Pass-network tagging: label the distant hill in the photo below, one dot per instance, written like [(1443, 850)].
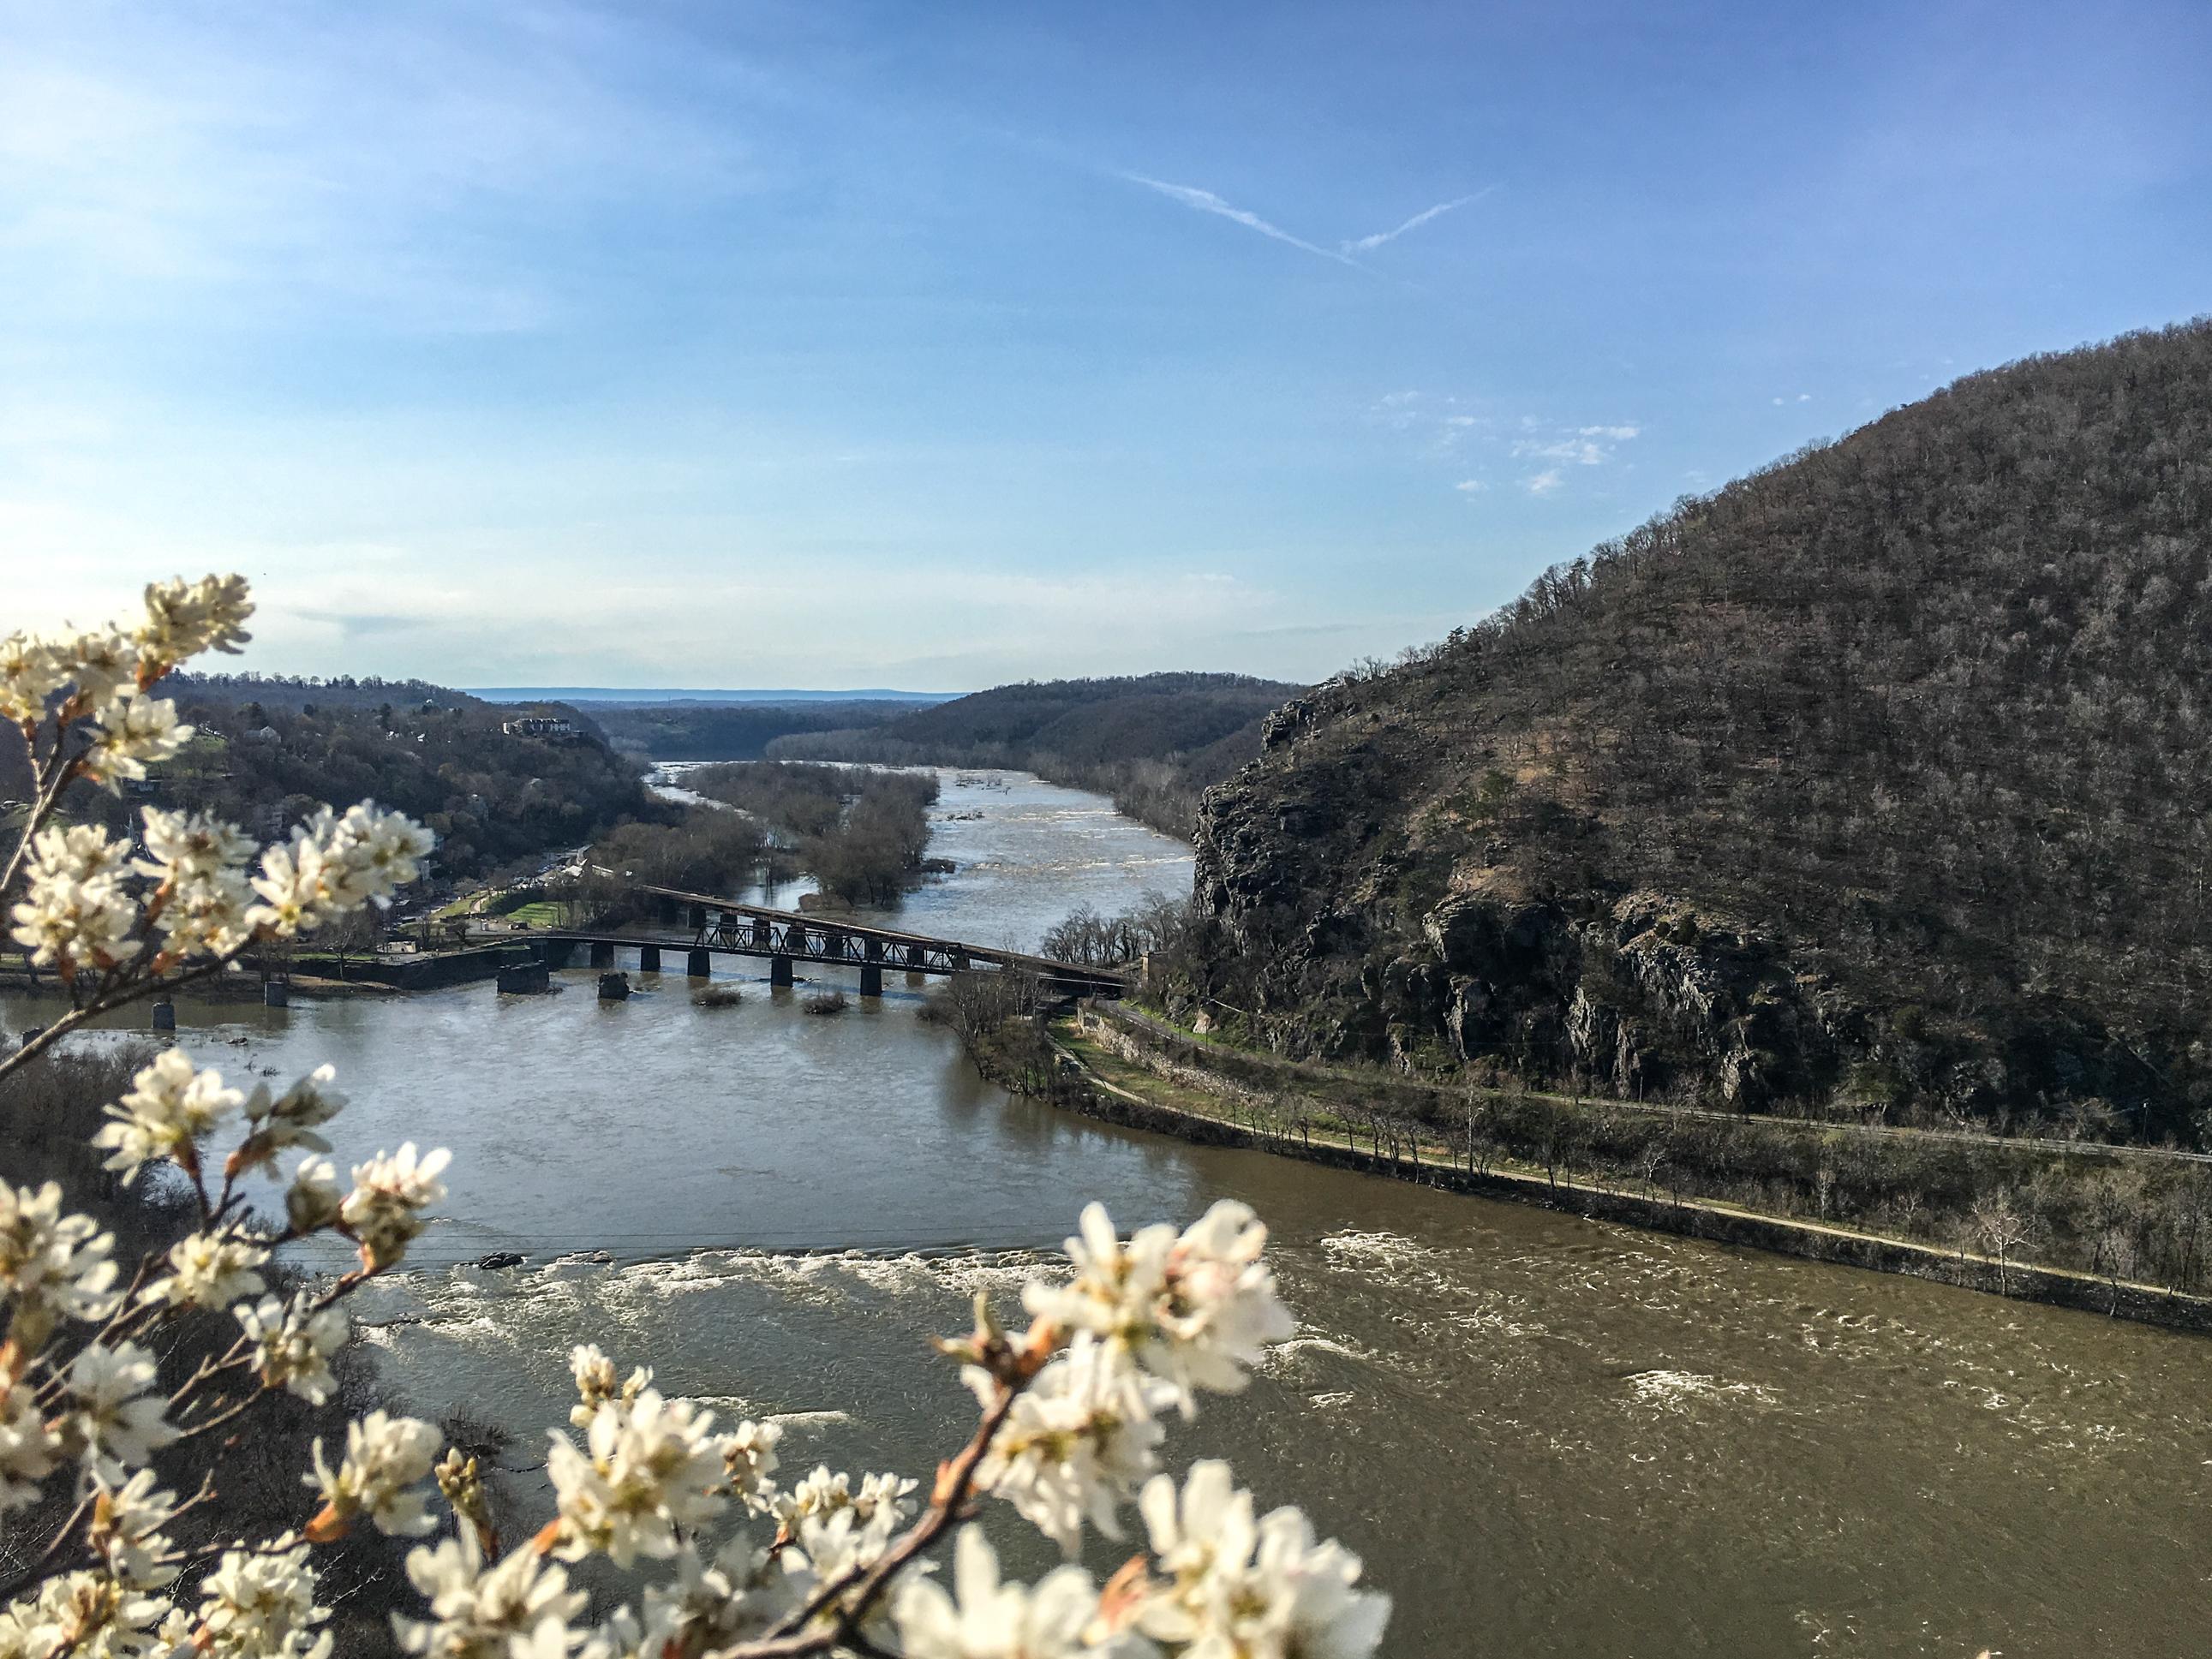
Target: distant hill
[(267, 750), (639, 697), (342, 691), (1153, 742), (732, 731), (1877, 780)]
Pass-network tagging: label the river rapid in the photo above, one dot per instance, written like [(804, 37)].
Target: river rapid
[(1544, 1436)]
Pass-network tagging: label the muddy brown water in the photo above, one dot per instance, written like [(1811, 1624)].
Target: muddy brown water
[(1544, 1436)]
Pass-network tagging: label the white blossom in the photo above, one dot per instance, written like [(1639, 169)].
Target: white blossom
[(277, 1123), (209, 1270), (383, 1213), (81, 852), (839, 1542), (823, 1494), (1077, 1442), (200, 860), (130, 733), (314, 1199), (207, 915), (290, 886), (125, 1528), (102, 664), (261, 1604), (113, 1423), (85, 1615), (293, 1342), (983, 1617), (741, 1592), (333, 865), (74, 909), (185, 618), (171, 1106), (597, 1380), (29, 1448), (31, 671), (386, 1460), (749, 1458), (648, 1466), (55, 1265), (1261, 1589), (1195, 1308), (189, 843), (818, 1494), (383, 851), (481, 1612)]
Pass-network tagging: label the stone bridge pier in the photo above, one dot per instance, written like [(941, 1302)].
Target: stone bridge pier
[(648, 959)]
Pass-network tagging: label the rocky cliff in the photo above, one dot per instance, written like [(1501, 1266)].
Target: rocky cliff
[(1876, 780)]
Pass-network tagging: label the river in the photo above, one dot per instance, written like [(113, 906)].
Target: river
[(1546, 1437)]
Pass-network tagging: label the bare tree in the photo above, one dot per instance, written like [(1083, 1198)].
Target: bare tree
[(1999, 1228)]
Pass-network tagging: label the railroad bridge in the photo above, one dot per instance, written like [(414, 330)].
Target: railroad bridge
[(711, 926)]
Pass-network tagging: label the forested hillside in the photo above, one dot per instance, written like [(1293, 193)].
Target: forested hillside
[(1153, 742), (730, 731), (268, 750), (1876, 781)]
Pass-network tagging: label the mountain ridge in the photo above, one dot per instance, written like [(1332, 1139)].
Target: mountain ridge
[(1874, 781), (1152, 742)]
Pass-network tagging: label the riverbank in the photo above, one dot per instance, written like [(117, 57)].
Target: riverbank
[(326, 976), (1101, 1063)]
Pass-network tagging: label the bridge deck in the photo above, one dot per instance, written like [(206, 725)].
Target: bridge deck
[(725, 925)]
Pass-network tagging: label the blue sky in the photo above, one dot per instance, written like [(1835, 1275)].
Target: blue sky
[(933, 346)]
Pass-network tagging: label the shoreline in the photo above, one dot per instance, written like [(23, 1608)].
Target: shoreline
[(1076, 1085)]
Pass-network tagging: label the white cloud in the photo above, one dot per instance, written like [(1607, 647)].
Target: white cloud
[(1368, 244), (1580, 445), (1580, 452), (1448, 434)]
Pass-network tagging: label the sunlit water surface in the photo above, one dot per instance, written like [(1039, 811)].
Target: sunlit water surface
[(1546, 1437)]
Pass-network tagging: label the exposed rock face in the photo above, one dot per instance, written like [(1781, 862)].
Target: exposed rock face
[(1349, 938), (1630, 994)]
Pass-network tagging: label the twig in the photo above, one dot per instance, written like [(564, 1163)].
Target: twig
[(858, 1589)]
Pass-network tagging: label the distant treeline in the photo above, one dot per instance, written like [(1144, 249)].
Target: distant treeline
[(730, 731), (862, 833), (1154, 742), (705, 851)]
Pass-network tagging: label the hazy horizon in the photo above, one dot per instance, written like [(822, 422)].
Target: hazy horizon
[(551, 343)]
